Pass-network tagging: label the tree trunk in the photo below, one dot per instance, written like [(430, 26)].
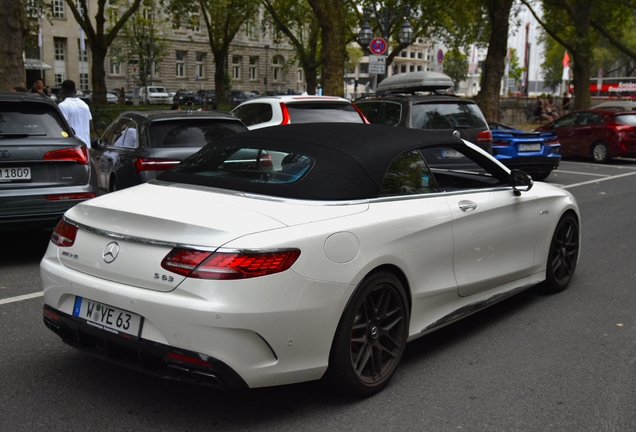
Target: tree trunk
[(331, 16), (13, 21), (581, 67), (311, 78), (220, 69), (98, 74), (494, 66)]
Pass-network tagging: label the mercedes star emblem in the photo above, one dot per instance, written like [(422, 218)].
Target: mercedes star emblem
[(110, 252)]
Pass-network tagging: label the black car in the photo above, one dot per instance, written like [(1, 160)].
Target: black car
[(184, 97), (206, 98), (44, 168), (414, 100), (137, 146)]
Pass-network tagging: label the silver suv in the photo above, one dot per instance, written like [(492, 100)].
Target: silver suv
[(414, 100)]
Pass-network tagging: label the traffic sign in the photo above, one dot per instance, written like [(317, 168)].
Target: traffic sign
[(378, 46), (440, 56), (377, 64)]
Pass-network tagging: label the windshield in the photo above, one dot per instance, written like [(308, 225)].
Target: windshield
[(157, 90), (191, 133), (253, 165), (449, 115)]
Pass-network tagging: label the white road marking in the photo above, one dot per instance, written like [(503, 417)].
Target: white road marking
[(581, 173), (599, 180), (22, 297)]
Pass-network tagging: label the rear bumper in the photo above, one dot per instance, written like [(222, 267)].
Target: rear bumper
[(146, 356)]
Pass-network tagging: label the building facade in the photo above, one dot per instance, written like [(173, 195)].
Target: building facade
[(256, 62)]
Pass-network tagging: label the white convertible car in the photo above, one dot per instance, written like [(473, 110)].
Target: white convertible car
[(302, 252)]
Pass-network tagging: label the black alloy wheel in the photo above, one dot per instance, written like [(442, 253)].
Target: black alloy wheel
[(564, 253), (371, 336)]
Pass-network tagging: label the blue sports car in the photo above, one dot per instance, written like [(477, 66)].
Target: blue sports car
[(537, 153)]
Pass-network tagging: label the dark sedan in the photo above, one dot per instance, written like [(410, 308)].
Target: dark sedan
[(137, 146), (44, 168), (183, 97), (597, 134)]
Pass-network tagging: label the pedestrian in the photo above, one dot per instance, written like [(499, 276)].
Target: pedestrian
[(565, 104), (38, 87), (76, 112)]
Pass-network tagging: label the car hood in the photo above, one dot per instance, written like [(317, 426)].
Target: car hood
[(124, 236)]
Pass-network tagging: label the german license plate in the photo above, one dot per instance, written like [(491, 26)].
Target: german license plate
[(12, 174), (107, 318), (529, 147)]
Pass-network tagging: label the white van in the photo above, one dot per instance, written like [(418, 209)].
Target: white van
[(154, 95)]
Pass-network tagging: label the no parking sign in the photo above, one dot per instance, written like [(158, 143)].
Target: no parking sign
[(378, 46)]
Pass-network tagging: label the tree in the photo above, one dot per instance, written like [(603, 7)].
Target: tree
[(100, 38), (223, 19), (15, 27), (298, 23), (331, 17), (456, 66)]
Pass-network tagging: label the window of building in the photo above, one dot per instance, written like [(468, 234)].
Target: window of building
[(195, 22), (253, 68), (236, 67), (59, 78), (403, 54), (420, 55), (180, 61), (200, 65), (114, 68), (83, 53), (412, 54), (59, 9), (250, 29), (84, 84), (60, 49), (277, 68), (403, 69), (411, 68), (300, 75)]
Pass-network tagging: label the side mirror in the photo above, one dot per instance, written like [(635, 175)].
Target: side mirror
[(95, 143), (520, 181)]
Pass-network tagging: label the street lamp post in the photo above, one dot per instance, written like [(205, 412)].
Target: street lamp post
[(385, 21)]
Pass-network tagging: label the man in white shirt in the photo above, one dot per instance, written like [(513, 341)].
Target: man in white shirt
[(76, 112)]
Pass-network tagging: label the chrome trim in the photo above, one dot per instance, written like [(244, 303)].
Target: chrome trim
[(469, 309)]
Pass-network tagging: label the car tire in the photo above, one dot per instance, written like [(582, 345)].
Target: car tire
[(114, 184), (541, 176), (601, 152), (563, 255), (371, 336)]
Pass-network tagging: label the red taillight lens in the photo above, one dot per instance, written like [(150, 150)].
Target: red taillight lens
[(266, 161), (501, 143), (225, 266), (552, 141), (72, 196), (286, 119), (74, 154), (152, 164), (364, 119), (64, 234), (484, 136)]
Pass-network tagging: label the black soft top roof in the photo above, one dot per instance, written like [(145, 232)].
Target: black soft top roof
[(350, 160)]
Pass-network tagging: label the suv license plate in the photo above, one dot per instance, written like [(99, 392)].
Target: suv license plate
[(108, 318), (11, 174), (529, 147)]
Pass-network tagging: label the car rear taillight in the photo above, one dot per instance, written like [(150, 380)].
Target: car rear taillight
[(266, 161), (552, 141), (228, 265), (64, 234), (74, 154), (501, 143), (484, 136), (364, 119), (70, 196), (152, 164), (286, 119)]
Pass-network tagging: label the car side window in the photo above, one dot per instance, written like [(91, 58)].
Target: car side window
[(255, 113), (590, 119), (457, 168), (391, 114), (408, 174), (569, 120), (126, 136), (371, 110)]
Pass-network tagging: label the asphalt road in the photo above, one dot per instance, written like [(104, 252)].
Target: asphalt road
[(565, 362)]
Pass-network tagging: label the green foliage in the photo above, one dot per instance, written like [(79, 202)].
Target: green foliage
[(456, 66)]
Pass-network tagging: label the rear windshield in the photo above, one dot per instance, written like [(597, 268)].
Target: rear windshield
[(191, 133), (313, 112), (253, 165), (626, 119), (156, 90), (30, 119), (451, 115)]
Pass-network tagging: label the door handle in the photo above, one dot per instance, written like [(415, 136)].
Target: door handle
[(467, 206)]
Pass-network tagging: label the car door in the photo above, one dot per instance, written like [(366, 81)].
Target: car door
[(116, 163), (565, 128), (590, 127), (494, 228)]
